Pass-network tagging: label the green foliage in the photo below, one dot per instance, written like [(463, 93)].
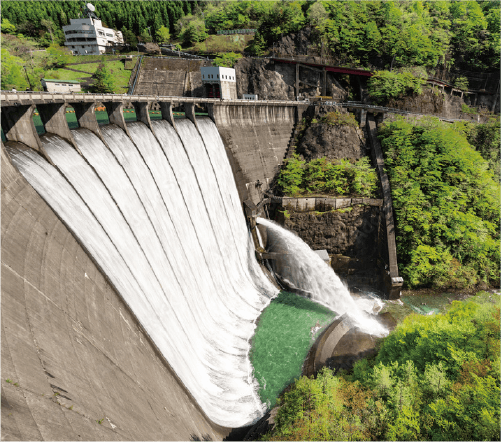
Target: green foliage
[(104, 83), (434, 378), (340, 119), (29, 17), (129, 37), (467, 109), (411, 33), (58, 56), (320, 176), (291, 176), (227, 59), (162, 34), (191, 29), (461, 83), (446, 206), (325, 408), (145, 36), (384, 85), (485, 139), (12, 72), (8, 27)]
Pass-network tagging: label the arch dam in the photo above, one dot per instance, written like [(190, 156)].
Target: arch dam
[(76, 363)]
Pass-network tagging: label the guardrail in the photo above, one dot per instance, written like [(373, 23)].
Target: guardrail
[(9, 98), (138, 68)]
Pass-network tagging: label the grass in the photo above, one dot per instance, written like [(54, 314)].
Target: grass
[(117, 69), (282, 341)]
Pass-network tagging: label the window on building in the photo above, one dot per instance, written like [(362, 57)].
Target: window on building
[(217, 75)]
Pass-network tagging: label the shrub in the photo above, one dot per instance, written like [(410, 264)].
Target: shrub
[(320, 176), (104, 80), (434, 378), (340, 119), (384, 85), (227, 59), (461, 83)]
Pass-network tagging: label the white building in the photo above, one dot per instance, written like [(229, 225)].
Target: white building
[(87, 36), (219, 82), (50, 85)]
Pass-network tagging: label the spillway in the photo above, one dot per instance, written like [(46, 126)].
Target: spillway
[(160, 214)]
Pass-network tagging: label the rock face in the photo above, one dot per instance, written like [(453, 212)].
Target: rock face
[(150, 48), (299, 43), (332, 142), (257, 76), (350, 232), (443, 105)]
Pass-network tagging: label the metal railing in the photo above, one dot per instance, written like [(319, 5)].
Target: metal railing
[(177, 99), (138, 68)]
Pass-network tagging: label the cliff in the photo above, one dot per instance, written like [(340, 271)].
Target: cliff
[(445, 105), (258, 76), (322, 140), (273, 80)]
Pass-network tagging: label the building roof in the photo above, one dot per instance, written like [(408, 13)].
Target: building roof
[(50, 80)]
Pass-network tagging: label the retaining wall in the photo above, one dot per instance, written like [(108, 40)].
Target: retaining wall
[(392, 280), (170, 77)]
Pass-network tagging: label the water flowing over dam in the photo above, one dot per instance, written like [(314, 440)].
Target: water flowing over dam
[(161, 216), (304, 271)]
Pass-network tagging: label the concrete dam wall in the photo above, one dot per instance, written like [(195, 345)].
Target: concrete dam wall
[(81, 364), (256, 138)]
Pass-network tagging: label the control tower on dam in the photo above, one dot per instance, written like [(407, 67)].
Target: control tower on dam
[(80, 349)]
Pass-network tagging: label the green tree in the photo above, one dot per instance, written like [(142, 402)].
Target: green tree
[(8, 27), (162, 34), (384, 85), (145, 36), (12, 72), (50, 26), (446, 205), (191, 29), (129, 37), (58, 56), (104, 81), (227, 59)]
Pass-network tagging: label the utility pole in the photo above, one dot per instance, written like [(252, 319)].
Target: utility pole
[(206, 48), (28, 78)]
